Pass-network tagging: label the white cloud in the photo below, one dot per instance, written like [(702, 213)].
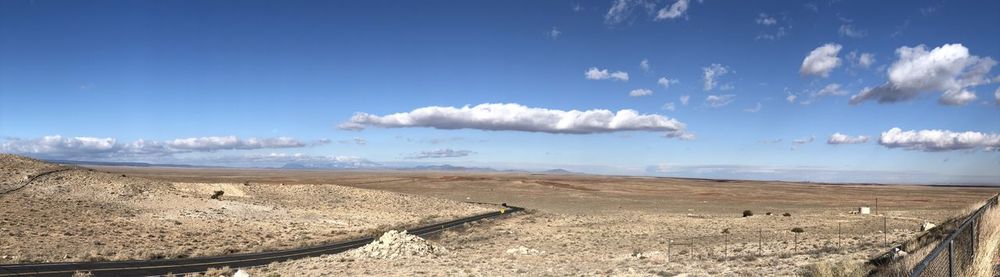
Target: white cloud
[(821, 60), (666, 82), (948, 68), (716, 101), (640, 92), (208, 144), (848, 30), (644, 65), (440, 153), (832, 89), (90, 147), (996, 95), (838, 138), (673, 11), (773, 30), (863, 60), (622, 10), (791, 97), (296, 160), (669, 106), (516, 117), (778, 33), (355, 140), (684, 99), (766, 20), (602, 74), (554, 34), (711, 73), (59, 146), (754, 109), (939, 140), (805, 140)]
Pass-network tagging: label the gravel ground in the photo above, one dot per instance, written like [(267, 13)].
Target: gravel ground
[(86, 215)]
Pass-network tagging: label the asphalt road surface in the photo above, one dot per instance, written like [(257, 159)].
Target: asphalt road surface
[(201, 264)]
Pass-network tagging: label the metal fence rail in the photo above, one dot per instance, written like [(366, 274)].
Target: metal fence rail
[(956, 252)]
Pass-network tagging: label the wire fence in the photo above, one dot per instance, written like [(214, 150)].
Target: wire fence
[(956, 253), (871, 232)]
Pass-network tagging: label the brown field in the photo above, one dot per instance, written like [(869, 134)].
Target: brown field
[(576, 224)]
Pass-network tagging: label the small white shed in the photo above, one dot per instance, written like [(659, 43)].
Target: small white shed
[(864, 210)]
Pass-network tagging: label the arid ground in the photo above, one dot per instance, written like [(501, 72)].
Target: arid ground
[(575, 225)]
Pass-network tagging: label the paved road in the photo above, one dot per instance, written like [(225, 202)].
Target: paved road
[(33, 178), (200, 264)]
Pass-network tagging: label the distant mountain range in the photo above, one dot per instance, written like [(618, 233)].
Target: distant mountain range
[(136, 164), (333, 165), (329, 165)]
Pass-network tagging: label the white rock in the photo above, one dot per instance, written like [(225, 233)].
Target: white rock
[(241, 273), (926, 226)]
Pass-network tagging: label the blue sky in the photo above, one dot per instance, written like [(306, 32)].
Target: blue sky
[(262, 83)]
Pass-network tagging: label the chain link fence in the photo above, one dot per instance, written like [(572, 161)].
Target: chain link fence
[(953, 255)]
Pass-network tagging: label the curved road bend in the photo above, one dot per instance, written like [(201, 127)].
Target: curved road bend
[(201, 264), (33, 178)]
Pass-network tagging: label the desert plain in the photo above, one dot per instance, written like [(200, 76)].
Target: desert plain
[(575, 224)]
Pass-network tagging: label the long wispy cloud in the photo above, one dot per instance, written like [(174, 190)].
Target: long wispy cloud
[(939, 140), (440, 153), (949, 69), (838, 138), (672, 11), (602, 74), (57, 146), (516, 117), (622, 11)]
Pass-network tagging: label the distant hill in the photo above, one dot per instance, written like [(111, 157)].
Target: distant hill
[(136, 164), (448, 167), (333, 165)]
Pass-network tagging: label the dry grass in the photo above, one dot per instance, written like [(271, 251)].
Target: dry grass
[(988, 253), (920, 246), (836, 269)]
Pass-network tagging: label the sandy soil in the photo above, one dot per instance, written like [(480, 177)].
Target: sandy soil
[(86, 215), (597, 225)]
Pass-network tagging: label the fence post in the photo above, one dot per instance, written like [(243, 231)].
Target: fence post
[(760, 242), (951, 258), (885, 231), (972, 238), (669, 243)]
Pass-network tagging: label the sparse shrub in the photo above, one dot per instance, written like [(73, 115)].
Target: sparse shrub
[(797, 230), (768, 213), (786, 214), (747, 213), (82, 274), (217, 194)]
